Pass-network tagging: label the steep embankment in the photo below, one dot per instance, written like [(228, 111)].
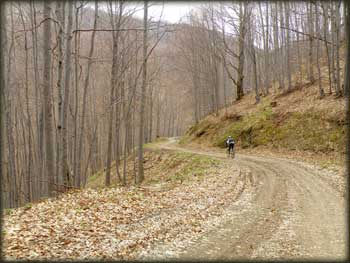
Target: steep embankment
[(296, 124)]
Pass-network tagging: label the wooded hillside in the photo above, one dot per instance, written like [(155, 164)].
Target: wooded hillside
[(86, 84)]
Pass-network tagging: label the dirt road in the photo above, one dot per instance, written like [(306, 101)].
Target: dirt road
[(293, 212)]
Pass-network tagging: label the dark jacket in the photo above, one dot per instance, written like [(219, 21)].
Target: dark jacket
[(230, 141)]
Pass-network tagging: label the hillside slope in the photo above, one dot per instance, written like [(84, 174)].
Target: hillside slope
[(293, 124)]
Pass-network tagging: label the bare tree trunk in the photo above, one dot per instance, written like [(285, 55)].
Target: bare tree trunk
[(289, 73), (117, 131), (194, 75), (332, 47), (346, 71), (114, 83), (109, 145), (13, 180), (86, 85), (283, 45), (76, 177), (347, 77), (169, 121), (224, 77), (318, 54), (29, 120), (140, 176), (298, 47), (3, 39), (325, 36), (158, 115), (277, 48), (265, 34), (64, 166), (337, 48), (93, 142), (215, 59), (242, 33), (126, 141), (253, 57), (48, 124), (150, 114), (145, 131), (311, 33), (61, 18), (37, 184)]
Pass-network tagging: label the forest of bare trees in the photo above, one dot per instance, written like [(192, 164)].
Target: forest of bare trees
[(86, 84)]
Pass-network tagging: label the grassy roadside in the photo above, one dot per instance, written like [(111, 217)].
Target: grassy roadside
[(161, 166)]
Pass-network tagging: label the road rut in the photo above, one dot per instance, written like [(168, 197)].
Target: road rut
[(292, 213)]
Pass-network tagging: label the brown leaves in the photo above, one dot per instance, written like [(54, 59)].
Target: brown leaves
[(114, 223)]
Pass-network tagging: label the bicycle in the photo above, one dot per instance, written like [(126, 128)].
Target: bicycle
[(231, 153)]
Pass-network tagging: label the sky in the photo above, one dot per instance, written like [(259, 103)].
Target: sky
[(173, 11)]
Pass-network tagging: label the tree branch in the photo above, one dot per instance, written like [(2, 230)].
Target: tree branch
[(306, 34)]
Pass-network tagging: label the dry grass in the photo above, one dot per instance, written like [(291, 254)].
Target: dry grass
[(165, 167), (302, 99), (317, 125)]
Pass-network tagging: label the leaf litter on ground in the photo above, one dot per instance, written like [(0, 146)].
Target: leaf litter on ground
[(118, 222)]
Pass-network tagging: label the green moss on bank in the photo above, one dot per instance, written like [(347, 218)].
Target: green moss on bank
[(310, 131), (163, 166)]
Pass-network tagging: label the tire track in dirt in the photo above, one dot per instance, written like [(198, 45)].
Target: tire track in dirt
[(293, 213), (253, 223)]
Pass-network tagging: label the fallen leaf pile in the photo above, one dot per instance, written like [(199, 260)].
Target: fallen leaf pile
[(117, 223)]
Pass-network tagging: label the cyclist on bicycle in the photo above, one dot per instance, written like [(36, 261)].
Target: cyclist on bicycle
[(230, 143)]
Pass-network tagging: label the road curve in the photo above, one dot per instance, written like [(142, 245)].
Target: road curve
[(293, 213)]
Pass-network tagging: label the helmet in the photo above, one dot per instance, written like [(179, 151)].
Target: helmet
[(229, 136)]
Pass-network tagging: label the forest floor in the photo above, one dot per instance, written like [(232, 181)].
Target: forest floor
[(249, 207)]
